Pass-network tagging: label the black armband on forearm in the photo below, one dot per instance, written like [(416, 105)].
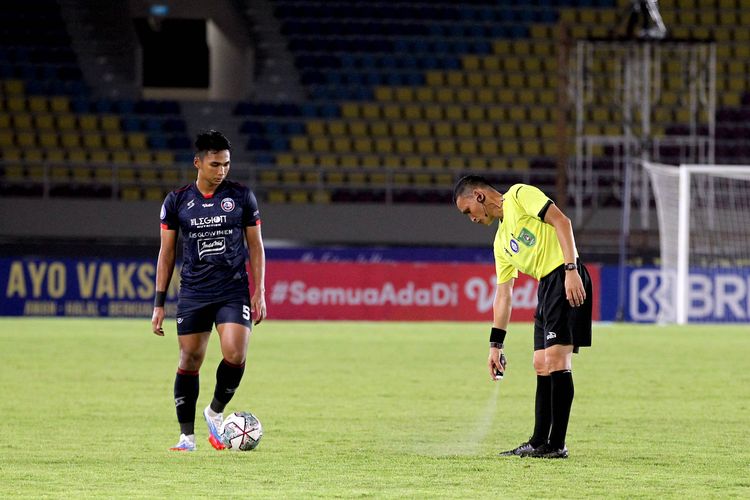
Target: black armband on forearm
[(497, 337), (159, 299)]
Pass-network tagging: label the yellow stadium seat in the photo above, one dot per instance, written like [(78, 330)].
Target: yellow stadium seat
[(464, 129), (404, 146), (16, 104), (383, 145), (390, 161), (33, 156), (59, 173), (484, 96), (509, 148), (511, 63), (9, 153), (4, 121), (14, 173), (548, 130), (549, 148), (164, 158), (299, 197), (349, 161), (60, 104), (130, 193), (539, 113), (120, 157), (433, 112), (446, 147), (485, 129), (336, 127), (390, 111), (496, 113), (426, 146), (38, 104), (136, 140), (82, 174), (320, 196), (454, 112), (542, 31), (315, 127), (371, 111), (357, 178), (276, 196), (530, 148), (475, 113), (48, 140), (321, 145), (384, 93), (285, 160), (22, 121), (142, 157), (363, 145), (400, 129), (502, 47), (114, 140), (404, 94), (378, 178), (476, 163), (305, 160), (378, 128), (435, 78), (358, 128), (475, 79), (299, 143), (425, 94), (506, 96), (443, 129), (516, 80), (269, 176), (467, 147), (44, 122), (26, 139), (370, 161), (350, 110), (99, 156), (412, 112), (466, 95), (110, 123), (470, 62), (66, 122), (412, 162), (55, 155), (546, 97), (520, 164), (420, 129), (455, 79), (490, 63), (528, 130), (488, 147), (495, 79), (444, 95), (291, 177), (92, 140), (13, 87), (342, 145), (517, 113)]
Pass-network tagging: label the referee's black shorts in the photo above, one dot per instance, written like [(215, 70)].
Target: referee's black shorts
[(556, 322)]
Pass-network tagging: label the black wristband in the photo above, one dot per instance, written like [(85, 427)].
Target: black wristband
[(159, 299), (497, 336)]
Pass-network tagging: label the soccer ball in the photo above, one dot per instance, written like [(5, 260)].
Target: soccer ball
[(241, 431)]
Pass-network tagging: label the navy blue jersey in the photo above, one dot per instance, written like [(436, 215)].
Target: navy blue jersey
[(213, 237)]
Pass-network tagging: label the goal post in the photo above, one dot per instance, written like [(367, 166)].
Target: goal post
[(705, 252)]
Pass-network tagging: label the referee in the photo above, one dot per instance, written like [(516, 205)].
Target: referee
[(536, 238)]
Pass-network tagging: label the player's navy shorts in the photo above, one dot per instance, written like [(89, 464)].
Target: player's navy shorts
[(556, 322), (195, 316)]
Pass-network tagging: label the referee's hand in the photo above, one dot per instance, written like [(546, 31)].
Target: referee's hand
[(496, 363), (574, 291)]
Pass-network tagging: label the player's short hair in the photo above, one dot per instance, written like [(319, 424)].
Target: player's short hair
[(211, 141), (468, 182)]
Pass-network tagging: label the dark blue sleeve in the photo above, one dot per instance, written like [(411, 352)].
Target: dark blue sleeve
[(169, 217), (250, 212)]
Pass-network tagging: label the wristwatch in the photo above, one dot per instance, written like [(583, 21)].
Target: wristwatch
[(570, 267)]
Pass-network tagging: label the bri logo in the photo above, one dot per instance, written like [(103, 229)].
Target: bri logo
[(551, 335)]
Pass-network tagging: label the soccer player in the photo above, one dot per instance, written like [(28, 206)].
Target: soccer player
[(216, 217), (536, 238)]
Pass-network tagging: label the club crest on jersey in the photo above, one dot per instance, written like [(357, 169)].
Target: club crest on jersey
[(527, 237), (227, 204), (514, 246)]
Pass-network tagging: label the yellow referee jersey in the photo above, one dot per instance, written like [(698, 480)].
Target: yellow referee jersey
[(523, 241)]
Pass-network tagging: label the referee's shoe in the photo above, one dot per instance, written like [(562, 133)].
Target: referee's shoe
[(519, 450), (547, 451)]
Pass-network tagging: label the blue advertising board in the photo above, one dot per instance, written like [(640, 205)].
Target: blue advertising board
[(716, 295)]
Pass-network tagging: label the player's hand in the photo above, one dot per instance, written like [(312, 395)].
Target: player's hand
[(574, 291), (496, 363), (156, 321), (258, 307)]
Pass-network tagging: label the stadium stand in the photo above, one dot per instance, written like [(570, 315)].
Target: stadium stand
[(403, 97)]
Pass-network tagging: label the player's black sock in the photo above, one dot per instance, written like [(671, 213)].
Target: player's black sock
[(542, 410), (228, 378), (562, 400), (186, 387)]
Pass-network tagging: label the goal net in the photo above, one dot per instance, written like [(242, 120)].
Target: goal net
[(704, 233)]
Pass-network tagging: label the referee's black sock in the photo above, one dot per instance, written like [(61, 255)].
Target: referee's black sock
[(228, 376), (186, 388), (562, 400), (542, 410)]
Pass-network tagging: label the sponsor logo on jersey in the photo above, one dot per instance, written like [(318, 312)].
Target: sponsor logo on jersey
[(207, 205), (527, 237), (163, 213), (227, 204), (514, 246), (191, 204), (212, 246), (208, 221)]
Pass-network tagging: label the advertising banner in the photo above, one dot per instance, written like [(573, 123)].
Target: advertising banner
[(398, 291), (394, 291), (716, 295)]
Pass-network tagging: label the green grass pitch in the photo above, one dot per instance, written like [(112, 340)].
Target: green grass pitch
[(373, 410)]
